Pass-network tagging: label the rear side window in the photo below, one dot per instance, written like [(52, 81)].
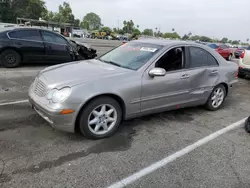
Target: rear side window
[(223, 46), (201, 58), (26, 35)]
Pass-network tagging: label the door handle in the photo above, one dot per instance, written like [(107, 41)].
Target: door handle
[(18, 43), (185, 76)]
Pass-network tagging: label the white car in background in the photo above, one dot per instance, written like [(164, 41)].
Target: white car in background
[(244, 63)]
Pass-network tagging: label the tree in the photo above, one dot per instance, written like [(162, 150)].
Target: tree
[(148, 32), (92, 21), (128, 26), (235, 42), (77, 23), (185, 37), (195, 38), (106, 29), (173, 29), (205, 39), (64, 15), (173, 35), (137, 26), (224, 40), (136, 31), (11, 9)]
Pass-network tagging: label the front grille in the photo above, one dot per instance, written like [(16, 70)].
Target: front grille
[(39, 88)]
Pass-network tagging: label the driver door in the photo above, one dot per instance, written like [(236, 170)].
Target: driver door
[(171, 91)]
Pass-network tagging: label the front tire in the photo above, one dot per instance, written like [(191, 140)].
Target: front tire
[(216, 98), (100, 118), (10, 58)]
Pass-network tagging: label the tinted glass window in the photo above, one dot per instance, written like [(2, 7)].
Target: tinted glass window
[(54, 38), (172, 60), (248, 48), (201, 58), (223, 46), (26, 34)]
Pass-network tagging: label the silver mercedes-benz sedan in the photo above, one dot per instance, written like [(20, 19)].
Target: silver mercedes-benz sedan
[(138, 78)]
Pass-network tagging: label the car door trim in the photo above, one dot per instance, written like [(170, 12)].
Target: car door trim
[(155, 97)]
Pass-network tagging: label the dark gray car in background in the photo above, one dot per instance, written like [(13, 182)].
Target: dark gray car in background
[(138, 78)]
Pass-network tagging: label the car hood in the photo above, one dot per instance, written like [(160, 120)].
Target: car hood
[(74, 73)]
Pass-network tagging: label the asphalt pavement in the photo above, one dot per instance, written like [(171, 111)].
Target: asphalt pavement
[(32, 154)]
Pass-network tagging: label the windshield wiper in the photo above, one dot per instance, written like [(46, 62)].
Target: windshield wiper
[(111, 62)]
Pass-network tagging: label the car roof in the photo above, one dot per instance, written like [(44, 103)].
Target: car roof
[(164, 42), (22, 28)]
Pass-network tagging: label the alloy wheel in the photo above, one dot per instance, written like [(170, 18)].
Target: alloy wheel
[(102, 119), (217, 97)]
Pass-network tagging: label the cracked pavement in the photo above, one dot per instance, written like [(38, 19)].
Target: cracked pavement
[(35, 155)]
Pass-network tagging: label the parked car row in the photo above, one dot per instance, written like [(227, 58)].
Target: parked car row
[(224, 50), (35, 45), (135, 79), (244, 63)]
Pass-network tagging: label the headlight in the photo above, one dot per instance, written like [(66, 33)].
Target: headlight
[(58, 96)]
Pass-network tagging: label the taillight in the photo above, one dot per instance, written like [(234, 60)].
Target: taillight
[(242, 54), (236, 74)]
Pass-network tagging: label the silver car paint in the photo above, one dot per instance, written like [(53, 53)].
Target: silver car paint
[(140, 93)]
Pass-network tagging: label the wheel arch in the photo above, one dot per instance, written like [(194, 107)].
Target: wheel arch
[(111, 95), (12, 48), (225, 85)]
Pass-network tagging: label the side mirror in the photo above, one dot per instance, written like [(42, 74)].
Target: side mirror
[(157, 72)]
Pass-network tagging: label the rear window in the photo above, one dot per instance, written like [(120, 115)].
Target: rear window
[(214, 46)]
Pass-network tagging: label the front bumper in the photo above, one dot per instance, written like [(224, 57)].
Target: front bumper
[(58, 121), (244, 71)]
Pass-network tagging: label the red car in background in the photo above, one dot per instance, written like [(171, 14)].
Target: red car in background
[(224, 50)]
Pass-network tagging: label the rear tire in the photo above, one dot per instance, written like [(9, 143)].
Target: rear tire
[(97, 122), (241, 75), (10, 58), (216, 98), (247, 125)]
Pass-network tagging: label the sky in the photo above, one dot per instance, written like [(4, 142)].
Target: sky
[(213, 18)]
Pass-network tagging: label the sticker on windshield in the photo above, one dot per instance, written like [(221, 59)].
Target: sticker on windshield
[(148, 49)]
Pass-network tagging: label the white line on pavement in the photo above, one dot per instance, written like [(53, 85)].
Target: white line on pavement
[(14, 102), (145, 171)]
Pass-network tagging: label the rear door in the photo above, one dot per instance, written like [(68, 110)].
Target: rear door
[(29, 43), (204, 73), (56, 47)]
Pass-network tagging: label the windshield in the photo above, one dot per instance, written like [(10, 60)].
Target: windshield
[(131, 55), (214, 46)]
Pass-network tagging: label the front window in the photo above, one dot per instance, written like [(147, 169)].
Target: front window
[(54, 38), (131, 55), (214, 46)]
